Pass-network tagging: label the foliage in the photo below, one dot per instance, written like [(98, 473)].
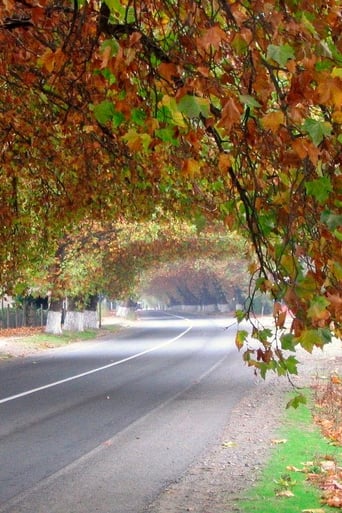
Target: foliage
[(101, 258), (212, 110), (199, 281)]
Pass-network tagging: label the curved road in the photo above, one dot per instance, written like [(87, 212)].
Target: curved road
[(104, 426)]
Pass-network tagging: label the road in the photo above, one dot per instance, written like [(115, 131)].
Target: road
[(104, 426)]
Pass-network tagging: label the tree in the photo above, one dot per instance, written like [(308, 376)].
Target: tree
[(215, 110), (95, 259), (199, 280)]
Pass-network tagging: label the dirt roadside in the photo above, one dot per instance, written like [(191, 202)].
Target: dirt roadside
[(224, 474)]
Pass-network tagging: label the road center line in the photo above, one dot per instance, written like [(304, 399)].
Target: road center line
[(98, 369)]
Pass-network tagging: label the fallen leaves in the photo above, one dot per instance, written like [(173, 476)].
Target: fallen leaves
[(20, 332), (326, 474), (315, 510), (228, 444), (285, 493), (328, 403), (279, 441), (329, 480)]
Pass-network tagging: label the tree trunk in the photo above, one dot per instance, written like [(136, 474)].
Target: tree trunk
[(54, 318), (126, 309), (90, 319), (74, 321)]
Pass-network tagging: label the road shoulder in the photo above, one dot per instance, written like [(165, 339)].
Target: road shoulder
[(223, 476)]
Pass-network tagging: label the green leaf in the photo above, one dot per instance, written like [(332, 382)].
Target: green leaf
[(338, 235), (290, 364), (307, 23), (262, 335), (200, 222), (267, 222), (314, 338), (240, 339), (318, 306), (319, 188), (170, 110), (240, 315), (332, 220), (138, 116), (167, 135), (239, 44), (249, 100), (323, 65), (193, 106), (112, 44), (325, 335), (104, 111), (133, 139), (280, 54), (266, 367), (287, 341), (164, 114), (120, 12), (317, 130), (296, 401), (117, 119)]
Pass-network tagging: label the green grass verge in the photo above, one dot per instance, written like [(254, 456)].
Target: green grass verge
[(68, 337), (41, 341), (304, 443)]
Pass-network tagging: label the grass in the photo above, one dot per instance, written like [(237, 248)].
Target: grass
[(71, 336), (41, 340), (284, 487)]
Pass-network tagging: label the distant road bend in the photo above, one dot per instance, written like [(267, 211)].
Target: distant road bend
[(104, 426)]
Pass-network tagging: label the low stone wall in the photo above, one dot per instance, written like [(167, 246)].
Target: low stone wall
[(224, 308), (200, 308), (125, 311)]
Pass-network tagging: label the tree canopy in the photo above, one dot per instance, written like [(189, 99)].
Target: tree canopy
[(214, 110)]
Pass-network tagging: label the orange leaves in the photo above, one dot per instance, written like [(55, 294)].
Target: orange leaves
[(191, 168), (231, 114), (335, 301), (273, 120), (211, 38), (165, 96), (225, 161), (20, 332), (318, 311), (137, 142), (279, 314), (53, 61), (169, 71), (336, 380), (305, 148), (241, 338), (329, 90)]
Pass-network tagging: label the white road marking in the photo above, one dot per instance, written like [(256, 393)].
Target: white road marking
[(98, 369)]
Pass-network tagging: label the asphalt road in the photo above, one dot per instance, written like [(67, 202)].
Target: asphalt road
[(104, 426)]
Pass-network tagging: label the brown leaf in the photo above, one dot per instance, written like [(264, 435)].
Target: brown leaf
[(273, 120), (285, 493), (314, 510)]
